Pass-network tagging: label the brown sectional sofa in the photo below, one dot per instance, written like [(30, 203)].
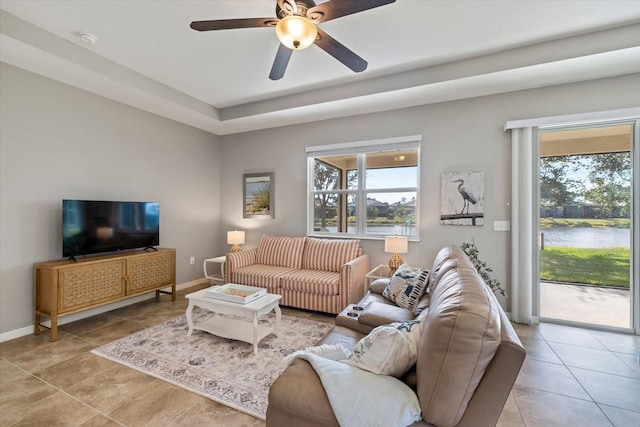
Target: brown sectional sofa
[(468, 357), (314, 274)]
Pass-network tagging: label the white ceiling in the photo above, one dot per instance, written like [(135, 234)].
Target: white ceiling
[(419, 52)]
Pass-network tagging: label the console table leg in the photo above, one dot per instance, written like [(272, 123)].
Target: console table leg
[(54, 328), (36, 323)]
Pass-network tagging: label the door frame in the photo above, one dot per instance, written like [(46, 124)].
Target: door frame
[(524, 211)]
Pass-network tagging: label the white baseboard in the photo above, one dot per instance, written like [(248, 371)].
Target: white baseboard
[(28, 330)]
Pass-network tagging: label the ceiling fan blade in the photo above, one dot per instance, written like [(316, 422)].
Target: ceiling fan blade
[(337, 8), (280, 63), (228, 24), (340, 52)]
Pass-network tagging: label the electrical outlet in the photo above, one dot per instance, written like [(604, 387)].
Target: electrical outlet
[(192, 260)]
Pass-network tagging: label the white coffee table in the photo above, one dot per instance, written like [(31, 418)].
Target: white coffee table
[(236, 329)]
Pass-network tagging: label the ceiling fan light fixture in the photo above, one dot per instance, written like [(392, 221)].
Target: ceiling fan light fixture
[(296, 32)]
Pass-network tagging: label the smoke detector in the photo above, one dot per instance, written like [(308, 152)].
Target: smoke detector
[(87, 37)]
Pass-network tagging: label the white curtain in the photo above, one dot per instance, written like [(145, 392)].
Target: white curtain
[(523, 236)]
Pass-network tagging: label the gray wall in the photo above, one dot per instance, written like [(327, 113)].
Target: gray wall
[(59, 142), (464, 135)]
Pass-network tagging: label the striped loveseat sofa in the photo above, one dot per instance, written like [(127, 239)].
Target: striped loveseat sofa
[(314, 274)]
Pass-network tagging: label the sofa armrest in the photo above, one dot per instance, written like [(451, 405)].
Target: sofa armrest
[(378, 313), (236, 260), (352, 278), (378, 286)]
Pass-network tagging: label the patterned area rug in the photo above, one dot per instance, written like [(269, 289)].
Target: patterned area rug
[(220, 369)]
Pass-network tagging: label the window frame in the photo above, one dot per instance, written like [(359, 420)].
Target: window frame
[(360, 149)]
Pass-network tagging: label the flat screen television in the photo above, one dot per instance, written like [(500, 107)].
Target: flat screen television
[(92, 226)]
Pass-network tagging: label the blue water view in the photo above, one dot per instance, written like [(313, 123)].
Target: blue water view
[(579, 237)]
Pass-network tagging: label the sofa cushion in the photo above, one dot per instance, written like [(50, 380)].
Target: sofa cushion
[(262, 276), (312, 281), (281, 251), (328, 255), (388, 349), (447, 258), (461, 334), (406, 286)]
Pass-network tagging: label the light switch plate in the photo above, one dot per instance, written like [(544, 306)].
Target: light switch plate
[(501, 225)]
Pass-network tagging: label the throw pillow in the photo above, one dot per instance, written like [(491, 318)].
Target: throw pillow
[(406, 287), (388, 349)]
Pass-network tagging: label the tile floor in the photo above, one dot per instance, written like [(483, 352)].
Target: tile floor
[(571, 377)]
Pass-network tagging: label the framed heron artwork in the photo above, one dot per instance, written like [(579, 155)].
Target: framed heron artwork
[(462, 198)]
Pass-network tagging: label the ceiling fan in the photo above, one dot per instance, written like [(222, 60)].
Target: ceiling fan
[(295, 25)]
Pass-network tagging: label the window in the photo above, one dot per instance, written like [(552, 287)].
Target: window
[(364, 189)]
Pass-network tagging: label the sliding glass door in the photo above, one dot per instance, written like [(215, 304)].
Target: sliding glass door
[(586, 225)]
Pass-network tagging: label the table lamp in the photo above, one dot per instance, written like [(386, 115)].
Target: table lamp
[(396, 245), (235, 238)]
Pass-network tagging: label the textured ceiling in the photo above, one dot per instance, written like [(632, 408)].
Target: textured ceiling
[(418, 51)]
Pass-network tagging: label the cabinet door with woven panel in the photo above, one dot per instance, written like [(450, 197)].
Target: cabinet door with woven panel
[(150, 272), (89, 285)]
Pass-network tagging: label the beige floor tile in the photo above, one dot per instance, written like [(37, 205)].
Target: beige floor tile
[(612, 390), (210, 413), (620, 343), (75, 370), (593, 359), (322, 317), (152, 317), (303, 314), (101, 421), (568, 335), (539, 349), (120, 396), (56, 410), (10, 372), (157, 405), (544, 409), (36, 359), (88, 324), (16, 396), (18, 346), (128, 310), (631, 360), (112, 332), (114, 386), (527, 331), (510, 416), (551, 377), (621, 417)]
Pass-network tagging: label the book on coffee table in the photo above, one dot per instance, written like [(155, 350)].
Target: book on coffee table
[(236, 293)]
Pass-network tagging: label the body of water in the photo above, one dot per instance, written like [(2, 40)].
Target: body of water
[(584, 237), (401, 230)]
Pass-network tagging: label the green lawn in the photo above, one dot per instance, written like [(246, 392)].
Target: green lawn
[(598, 266), (585, 222)]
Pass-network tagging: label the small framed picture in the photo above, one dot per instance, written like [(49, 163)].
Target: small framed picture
[(258, 195)]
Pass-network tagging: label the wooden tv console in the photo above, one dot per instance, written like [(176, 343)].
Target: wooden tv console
[(66, 287)]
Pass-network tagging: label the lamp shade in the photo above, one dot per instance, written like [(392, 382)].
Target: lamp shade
[(396, 244), (296, 32), (235, 237)]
